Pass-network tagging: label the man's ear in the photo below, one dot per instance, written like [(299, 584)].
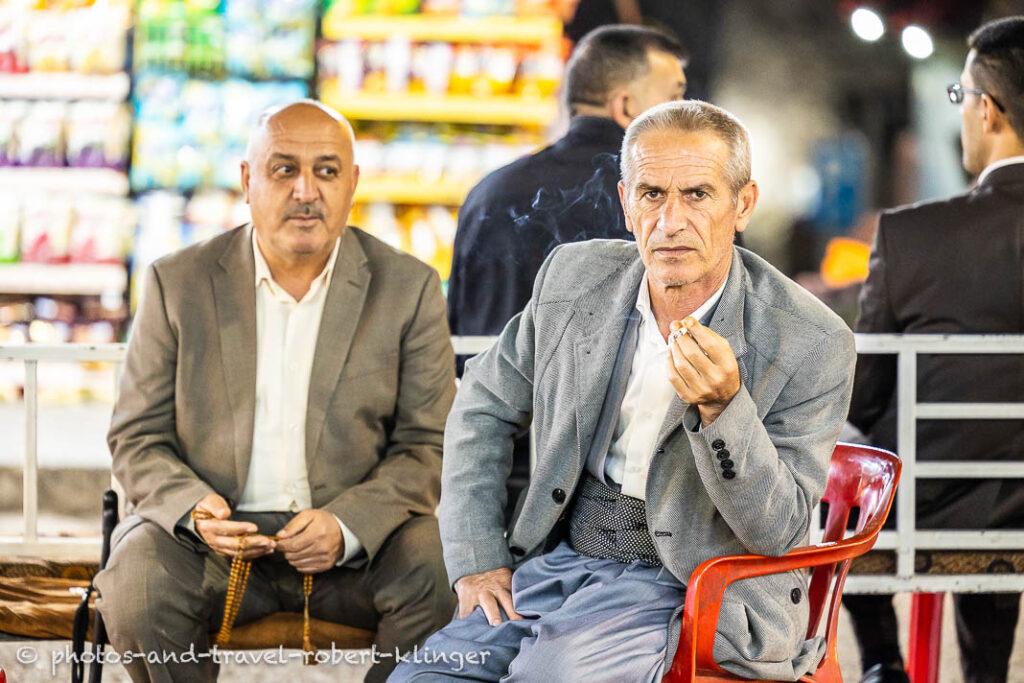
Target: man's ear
[(625, 213), (992, 120), (245, 181), (620, 106), (746, 200)]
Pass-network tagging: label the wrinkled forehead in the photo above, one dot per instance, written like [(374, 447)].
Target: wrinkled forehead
[(663, 153)]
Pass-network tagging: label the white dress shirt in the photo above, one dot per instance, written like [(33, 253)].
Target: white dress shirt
[(286, 335), (999, 164), (646, 401)]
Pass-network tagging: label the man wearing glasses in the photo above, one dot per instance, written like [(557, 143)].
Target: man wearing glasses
[(955, 267)]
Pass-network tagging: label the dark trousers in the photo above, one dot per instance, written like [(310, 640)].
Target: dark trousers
[(985, 626), (158, 595)]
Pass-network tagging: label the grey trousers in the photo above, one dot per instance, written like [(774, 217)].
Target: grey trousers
[(159, 595), (586, 619)]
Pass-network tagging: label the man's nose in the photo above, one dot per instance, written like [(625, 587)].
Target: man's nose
[(673, 215), (304, 189)]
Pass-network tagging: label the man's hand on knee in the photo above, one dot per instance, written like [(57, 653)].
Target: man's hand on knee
[(224, 536), (312, 541), (492, 591)]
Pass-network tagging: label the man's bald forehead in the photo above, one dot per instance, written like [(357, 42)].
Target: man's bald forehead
[(300, 114)]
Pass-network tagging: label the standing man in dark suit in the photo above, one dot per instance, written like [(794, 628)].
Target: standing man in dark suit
[(955, 267), (567, 192)]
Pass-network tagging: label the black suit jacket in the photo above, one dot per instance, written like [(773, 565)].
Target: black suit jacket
[(951, 267), (516, 215)]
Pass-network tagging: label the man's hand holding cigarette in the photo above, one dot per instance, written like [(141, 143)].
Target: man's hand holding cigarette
[(702, 368)]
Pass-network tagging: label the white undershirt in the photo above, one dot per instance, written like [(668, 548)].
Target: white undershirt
[(1008, 161), (646, 401), (286, 335)]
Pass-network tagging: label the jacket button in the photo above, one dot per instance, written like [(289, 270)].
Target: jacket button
[(517, 551), (794, 596), (729, 474), (718, 444), (727, 464), (558, 495), (722, 454)]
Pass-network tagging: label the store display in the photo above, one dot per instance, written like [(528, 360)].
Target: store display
[(92, 134), (58, 36), (439, 92), (244, 38)]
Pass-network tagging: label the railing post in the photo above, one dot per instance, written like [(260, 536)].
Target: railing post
[(906, 446), (30, 475)]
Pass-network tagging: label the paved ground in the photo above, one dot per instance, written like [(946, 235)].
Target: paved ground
[(50, 651)]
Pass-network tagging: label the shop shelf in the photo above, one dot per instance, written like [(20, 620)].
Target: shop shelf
[(396, 189), (507, 30), (64, 86), (64, 179), (64, 278), (500, 109)]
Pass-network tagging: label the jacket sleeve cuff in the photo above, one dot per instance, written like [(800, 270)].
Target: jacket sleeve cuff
[(352, 545)]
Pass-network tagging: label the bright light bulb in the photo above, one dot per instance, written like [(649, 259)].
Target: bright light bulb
[(867, 24), (917, 42)]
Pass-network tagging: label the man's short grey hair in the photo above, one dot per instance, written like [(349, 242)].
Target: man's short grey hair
[(266, 114), (691, 116)]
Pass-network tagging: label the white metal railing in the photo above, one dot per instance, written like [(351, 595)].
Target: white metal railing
[(904, 540)]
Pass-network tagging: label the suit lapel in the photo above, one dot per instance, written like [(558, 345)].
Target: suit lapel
[(234, 296), (604, 312), (342, 310), (727, 321)]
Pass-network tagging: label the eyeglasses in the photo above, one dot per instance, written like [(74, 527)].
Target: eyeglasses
[(956, 94)]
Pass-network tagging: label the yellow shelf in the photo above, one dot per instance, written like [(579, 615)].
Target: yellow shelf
[(502, 109), (517, 30), (410, 190)]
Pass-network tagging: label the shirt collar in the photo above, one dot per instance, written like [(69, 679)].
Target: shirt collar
[(263, 273), (643, 305), (1008, 161)]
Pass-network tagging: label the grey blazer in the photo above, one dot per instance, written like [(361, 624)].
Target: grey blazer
[(552, 365)]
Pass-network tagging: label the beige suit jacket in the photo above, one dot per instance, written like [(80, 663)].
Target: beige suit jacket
[(381, 386)]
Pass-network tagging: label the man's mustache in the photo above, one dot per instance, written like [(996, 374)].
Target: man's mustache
[(305, 211)]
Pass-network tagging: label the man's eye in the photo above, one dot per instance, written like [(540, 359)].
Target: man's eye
[(283, 169), (652, 194), (329, 171), (699, 194)]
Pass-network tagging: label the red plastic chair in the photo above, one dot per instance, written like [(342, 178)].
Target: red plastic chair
[(859, 476)]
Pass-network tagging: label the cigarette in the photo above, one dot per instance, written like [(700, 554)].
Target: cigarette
[(681, 331)]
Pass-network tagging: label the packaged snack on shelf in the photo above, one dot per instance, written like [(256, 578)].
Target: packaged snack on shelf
[(540, 72), (46, 228), (40, 135), (497, 72), (13, 40), (98, 37), (97, 134), (101, 229), (48, 50), (431, 68), (465, 67), (398, 64)]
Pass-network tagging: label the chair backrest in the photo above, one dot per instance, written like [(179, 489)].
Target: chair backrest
[(859, 477)]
